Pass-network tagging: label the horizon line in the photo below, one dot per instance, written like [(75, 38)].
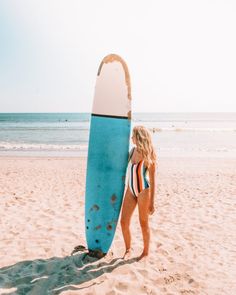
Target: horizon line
[(161, 112)]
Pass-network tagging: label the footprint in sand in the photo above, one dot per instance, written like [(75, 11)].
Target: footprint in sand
[(184, 292), (167, 280), (179, 248), (166, 254), (170, 279), (162, 269), (163, 252), (121, 287)]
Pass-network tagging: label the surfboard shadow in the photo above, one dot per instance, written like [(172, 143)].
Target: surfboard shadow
[(54, 275)]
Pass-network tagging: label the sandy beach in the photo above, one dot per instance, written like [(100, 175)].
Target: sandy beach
[(192, 231)]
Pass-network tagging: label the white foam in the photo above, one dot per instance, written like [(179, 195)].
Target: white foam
[(15, 146)]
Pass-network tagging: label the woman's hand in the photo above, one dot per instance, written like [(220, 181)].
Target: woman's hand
[(151, 208)]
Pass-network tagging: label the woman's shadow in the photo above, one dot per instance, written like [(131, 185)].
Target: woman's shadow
[(54, 275)]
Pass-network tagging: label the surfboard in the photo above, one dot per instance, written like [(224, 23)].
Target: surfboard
[(108, 149)]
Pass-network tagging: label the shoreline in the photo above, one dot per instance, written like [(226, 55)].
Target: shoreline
[(191, 155)]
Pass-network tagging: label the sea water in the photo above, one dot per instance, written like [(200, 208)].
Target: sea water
[(67, 134)]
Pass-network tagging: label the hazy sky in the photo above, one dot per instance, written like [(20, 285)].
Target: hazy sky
[(181, 54)]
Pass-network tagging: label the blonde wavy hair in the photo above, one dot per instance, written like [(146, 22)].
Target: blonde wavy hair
[(144, 144)]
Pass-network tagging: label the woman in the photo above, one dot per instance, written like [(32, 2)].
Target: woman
[(141, 188)]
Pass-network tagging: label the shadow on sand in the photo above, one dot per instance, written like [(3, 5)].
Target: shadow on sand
[(54, 275)]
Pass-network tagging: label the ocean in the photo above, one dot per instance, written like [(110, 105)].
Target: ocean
[(67, 134)]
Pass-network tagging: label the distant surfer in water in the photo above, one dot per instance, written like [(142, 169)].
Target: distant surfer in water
[(141, 187)]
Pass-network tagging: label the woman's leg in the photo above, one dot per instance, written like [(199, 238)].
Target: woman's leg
[(143, 205), (129, 205)]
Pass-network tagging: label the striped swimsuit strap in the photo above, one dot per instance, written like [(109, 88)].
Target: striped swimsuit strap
[(131, 154)]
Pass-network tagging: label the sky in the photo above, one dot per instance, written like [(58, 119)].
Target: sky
[(180, 54)]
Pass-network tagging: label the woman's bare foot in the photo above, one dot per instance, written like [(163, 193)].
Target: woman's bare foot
[(127, 254), (143, 255)]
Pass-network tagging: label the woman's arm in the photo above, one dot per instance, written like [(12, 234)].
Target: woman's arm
[(152, 177)]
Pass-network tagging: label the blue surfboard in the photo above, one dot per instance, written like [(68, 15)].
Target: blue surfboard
[(107, 152)]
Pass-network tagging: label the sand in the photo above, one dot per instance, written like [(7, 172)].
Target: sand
[(193, 241)]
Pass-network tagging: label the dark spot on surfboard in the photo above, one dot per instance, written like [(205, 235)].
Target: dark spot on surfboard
[(98, 227), (129, 115), (109, 227), (113, 198), (87, 227), (97, 241), (88, 220), (95, 208)]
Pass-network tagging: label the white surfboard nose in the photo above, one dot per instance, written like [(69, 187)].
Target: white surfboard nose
[(113, 90)]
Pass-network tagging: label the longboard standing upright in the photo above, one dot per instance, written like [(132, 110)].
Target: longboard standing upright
[(107, 153)]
